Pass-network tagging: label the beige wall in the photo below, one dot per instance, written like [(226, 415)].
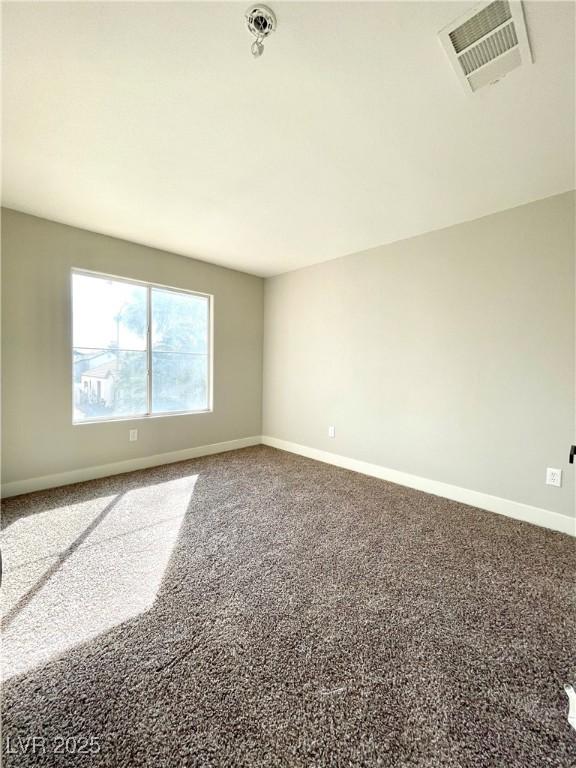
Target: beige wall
[(449, 356), (38, 435)]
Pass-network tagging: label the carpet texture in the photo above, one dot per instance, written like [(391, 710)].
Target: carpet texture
[(284, 612)]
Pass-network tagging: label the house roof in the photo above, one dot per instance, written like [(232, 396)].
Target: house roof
[(102, 371)]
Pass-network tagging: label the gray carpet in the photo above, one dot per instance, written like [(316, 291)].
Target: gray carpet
[(257, 608)]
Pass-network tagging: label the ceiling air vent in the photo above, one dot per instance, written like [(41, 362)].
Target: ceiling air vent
[(487, 43)]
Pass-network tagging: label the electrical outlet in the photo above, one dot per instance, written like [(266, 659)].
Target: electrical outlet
[(554, 477), (133, 435), (331, 431)]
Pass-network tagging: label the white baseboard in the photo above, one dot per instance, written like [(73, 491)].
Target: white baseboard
[(119, 467), (515, 509)]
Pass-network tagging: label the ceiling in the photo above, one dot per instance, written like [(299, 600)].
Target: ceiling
[(152, 122)]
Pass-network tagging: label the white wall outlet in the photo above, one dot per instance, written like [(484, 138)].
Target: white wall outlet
[(554, 477), (133, 435), (331, 431)]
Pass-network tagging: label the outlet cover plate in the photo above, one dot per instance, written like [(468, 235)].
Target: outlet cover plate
[(554, 477)]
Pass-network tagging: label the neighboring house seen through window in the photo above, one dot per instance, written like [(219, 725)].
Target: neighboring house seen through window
[(138, 349)]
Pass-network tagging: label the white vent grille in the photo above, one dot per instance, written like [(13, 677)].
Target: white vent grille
[(487, 43)]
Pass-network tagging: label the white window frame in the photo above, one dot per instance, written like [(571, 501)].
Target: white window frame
[(149, 286)]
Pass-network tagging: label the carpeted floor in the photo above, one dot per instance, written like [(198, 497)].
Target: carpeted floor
[(257, 608)]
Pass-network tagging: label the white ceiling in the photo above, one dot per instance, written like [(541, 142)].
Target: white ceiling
[(152, 122)]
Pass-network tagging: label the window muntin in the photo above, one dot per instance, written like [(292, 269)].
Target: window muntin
[(138, 349)]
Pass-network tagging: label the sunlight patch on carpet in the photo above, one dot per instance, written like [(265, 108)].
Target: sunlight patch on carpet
[(74, 572)]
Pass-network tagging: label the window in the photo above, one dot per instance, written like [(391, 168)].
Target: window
[(138, 349)]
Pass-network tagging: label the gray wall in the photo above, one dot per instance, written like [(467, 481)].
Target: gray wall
[(449, 356), (38, 435)]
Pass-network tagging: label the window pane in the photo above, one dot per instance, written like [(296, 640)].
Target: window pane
[(179, 322), (108, 314), (179, 382), (109, 384)]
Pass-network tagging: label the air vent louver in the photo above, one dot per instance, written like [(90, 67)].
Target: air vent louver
[(480, 24), (487, 43), (489, 48)]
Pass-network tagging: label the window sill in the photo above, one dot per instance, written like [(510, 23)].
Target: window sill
[(142, 417)]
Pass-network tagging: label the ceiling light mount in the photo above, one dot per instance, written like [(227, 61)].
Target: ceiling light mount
[(261, 22)]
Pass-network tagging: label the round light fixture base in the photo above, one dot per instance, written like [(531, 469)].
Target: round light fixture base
[(261, 22)]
